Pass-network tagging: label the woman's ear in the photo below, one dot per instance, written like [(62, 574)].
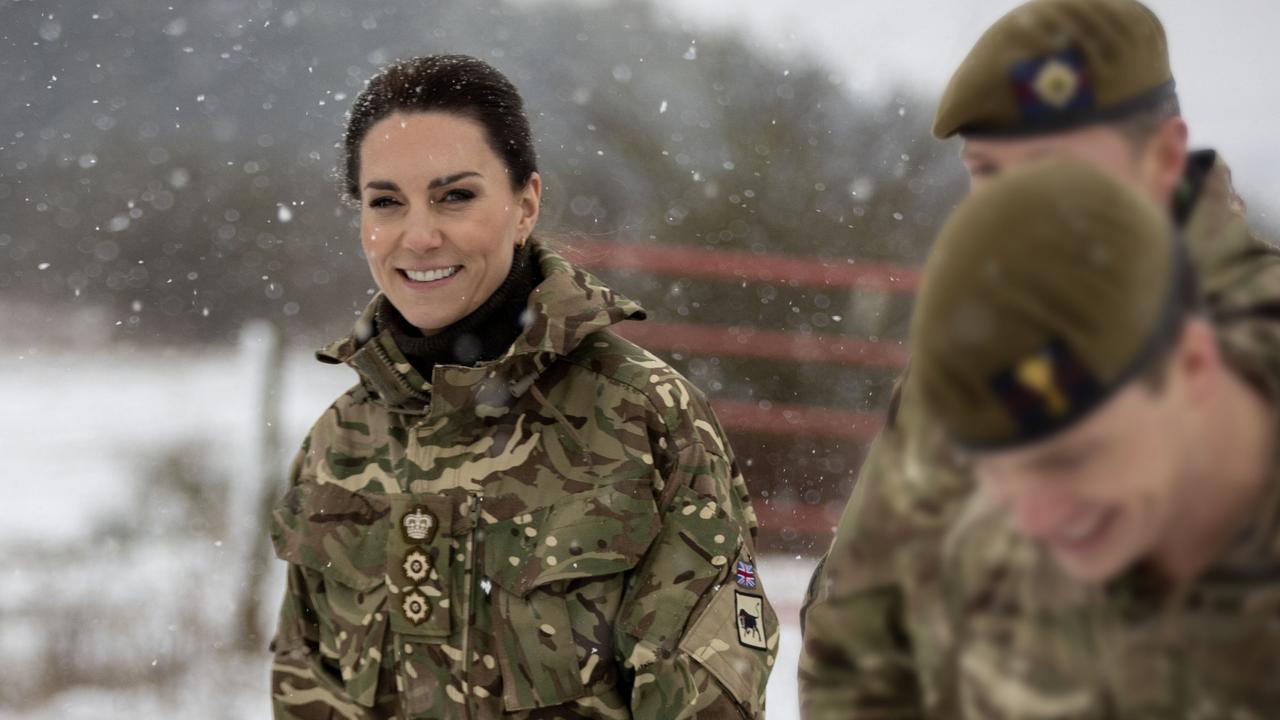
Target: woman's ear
[(530, 204)]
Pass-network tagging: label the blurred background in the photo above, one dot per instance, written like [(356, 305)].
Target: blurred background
[(172, 248)]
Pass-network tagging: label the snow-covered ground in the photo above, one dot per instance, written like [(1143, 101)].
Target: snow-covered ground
[(116, 598)]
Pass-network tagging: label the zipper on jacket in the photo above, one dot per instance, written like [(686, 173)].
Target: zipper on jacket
[(396, 379), (473, 512)]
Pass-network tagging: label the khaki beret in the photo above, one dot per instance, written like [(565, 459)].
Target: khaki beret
[(1047, 289), (1054, 65)]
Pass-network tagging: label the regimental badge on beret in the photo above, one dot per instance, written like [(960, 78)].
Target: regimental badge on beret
[(1046, 388), (1051, 85), (418, 525)]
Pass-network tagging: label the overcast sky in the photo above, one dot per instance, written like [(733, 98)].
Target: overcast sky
[(1226, 57)]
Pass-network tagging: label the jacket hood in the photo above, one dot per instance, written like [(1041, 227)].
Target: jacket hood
[(1213, 220), (1205, 202), (566, 308)]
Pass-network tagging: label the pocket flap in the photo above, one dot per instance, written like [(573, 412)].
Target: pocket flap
[(333, 531), (600, 532), (697, 543)]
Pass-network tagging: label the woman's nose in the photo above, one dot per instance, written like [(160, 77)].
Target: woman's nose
[(421, 232)]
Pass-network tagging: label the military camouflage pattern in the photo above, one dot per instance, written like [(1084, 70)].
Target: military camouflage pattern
[(928, 605), (552, 534)]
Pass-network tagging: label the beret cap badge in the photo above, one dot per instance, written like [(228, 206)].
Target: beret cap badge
[(1056, 83), (1051, 85), (1045, 387)]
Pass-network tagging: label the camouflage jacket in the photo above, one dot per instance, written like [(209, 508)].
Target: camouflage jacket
[(562, 532), (927, 606)]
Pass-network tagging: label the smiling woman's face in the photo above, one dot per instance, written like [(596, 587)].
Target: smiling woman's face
[(439, 220)]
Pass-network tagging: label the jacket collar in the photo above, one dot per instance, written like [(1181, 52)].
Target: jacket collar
[(1205, 204), (566, 308)]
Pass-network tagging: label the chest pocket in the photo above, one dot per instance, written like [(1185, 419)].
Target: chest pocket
[(545, 563), (373, 570), (341, 537)]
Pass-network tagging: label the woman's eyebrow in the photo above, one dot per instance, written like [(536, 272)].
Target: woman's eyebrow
[(451, 179), (382, 185)]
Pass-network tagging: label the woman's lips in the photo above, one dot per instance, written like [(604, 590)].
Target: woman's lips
[(425, 280), (432, 275)]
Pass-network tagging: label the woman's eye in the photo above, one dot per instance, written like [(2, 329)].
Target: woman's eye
[(457, 195), (383, 201)]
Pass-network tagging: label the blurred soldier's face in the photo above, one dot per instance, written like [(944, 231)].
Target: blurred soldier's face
[(439, 221), (1154, 167), (1111, 489)]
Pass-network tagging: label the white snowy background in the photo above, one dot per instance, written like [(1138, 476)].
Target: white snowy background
[(124, 592), (79, 450)]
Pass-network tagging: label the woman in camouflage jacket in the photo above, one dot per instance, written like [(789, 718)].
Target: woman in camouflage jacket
[(515, 512)]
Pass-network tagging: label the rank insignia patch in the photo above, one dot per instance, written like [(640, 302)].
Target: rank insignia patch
[(419, 525), (1051, 85), (746, 574), (416, 566), (416, 608), (750, 621)]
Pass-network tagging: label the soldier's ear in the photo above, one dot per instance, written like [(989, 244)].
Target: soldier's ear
[(1164, 158), (1197, 361)]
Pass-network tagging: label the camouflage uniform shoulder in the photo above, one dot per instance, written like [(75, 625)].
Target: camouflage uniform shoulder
[(351, 417), (353, 407), (928, 482), (909, 491), (682, 408)]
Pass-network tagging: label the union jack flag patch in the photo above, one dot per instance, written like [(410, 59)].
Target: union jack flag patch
[(746, 574)]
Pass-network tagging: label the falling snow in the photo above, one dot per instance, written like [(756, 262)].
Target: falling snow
[(168, 178)]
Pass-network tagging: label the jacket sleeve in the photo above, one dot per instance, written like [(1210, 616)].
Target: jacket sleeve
[(863, 654), (696, 632), (855, 658)]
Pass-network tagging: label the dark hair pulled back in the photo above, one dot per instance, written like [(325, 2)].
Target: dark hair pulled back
[(457, 84)]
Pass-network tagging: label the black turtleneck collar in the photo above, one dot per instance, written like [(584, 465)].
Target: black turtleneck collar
[(483, 335)]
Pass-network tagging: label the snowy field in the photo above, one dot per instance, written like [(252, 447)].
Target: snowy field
[(120, 567)]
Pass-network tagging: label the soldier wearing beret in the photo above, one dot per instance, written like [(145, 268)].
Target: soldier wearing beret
[(1120, 556), (1084, 79)]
